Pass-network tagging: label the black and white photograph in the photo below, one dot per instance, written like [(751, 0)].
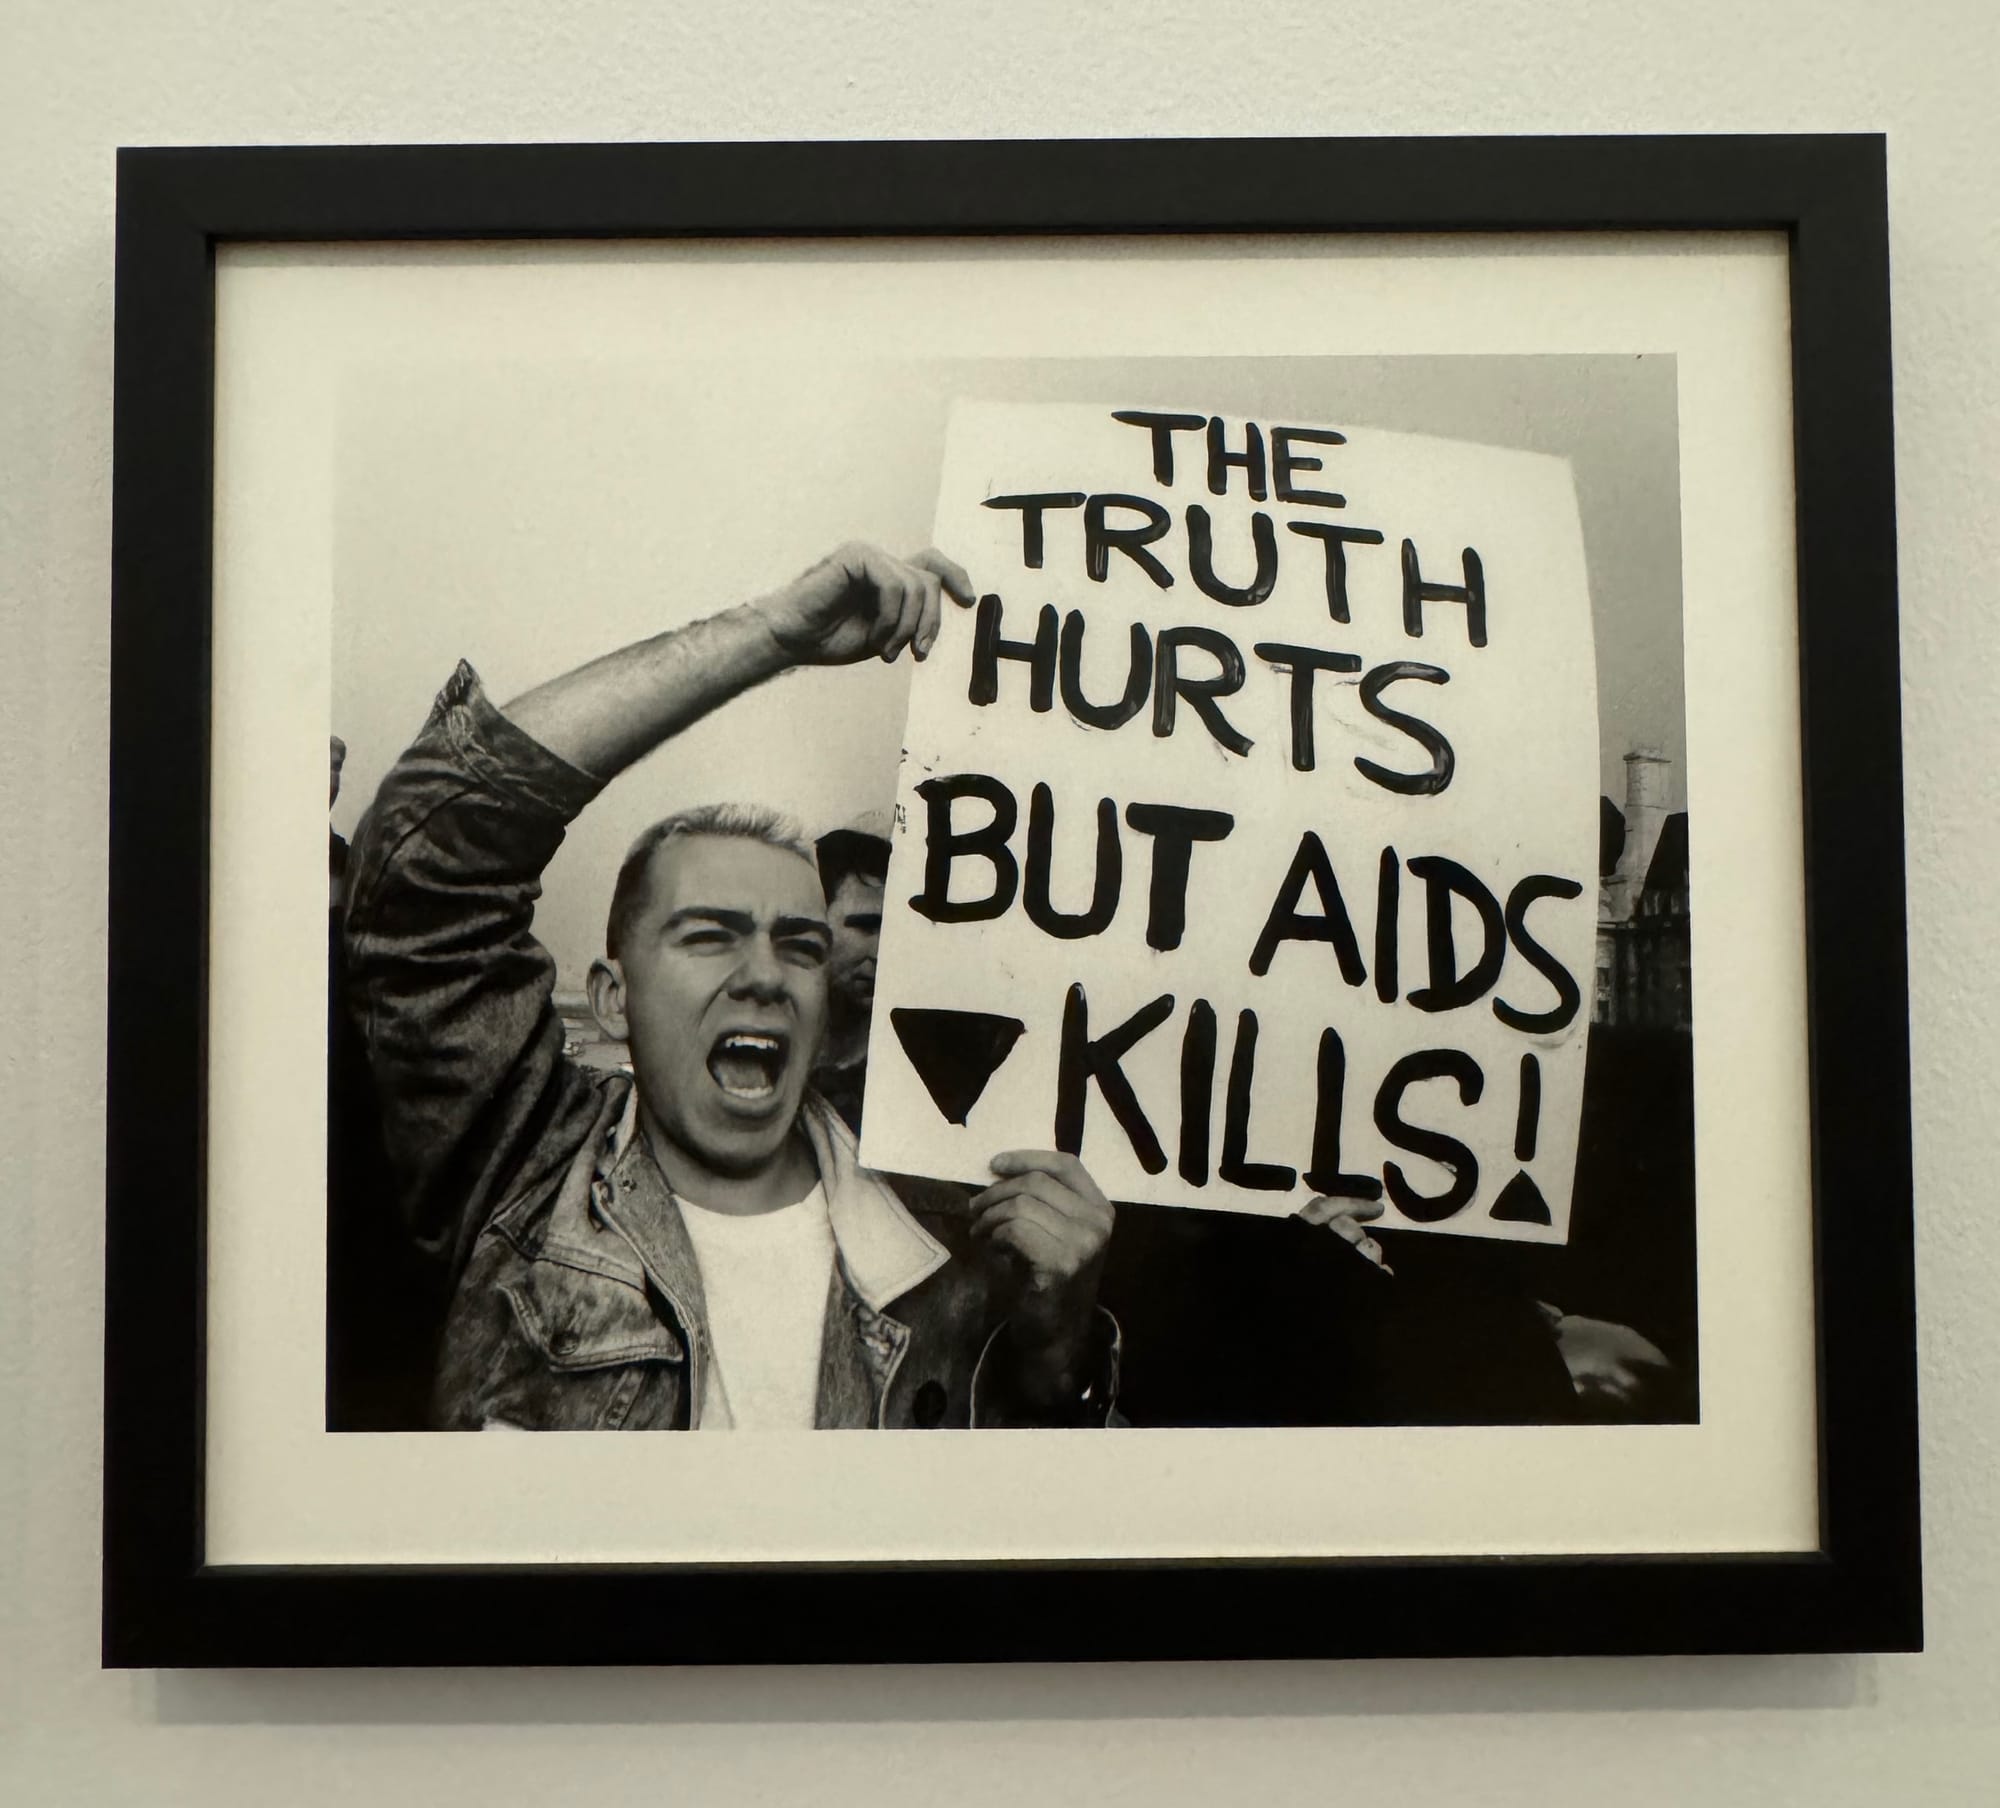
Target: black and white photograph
[(1039, 894)]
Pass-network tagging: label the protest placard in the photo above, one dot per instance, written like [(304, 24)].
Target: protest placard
[(1246, 832)]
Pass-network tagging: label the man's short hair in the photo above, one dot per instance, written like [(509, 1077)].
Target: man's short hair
[(728, 822), (850, 853)]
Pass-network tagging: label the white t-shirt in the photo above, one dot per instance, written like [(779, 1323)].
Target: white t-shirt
[(764, 1276)]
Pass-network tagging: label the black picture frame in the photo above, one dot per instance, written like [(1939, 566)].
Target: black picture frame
[(164, 1605)]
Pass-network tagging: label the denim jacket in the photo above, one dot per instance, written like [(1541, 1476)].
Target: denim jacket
[(577, 1301)]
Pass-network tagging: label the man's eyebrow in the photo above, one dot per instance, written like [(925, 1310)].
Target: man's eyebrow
[(741, 922), (862, 916)]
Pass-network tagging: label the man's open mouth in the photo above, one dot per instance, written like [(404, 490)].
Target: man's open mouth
[(748, 1064)]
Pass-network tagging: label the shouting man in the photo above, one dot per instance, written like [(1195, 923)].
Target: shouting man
[(695, 1246)]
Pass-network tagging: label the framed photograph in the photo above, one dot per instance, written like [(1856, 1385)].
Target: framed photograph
[(1311, 726)]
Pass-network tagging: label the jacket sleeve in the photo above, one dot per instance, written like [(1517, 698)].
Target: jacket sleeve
[(450, 990)]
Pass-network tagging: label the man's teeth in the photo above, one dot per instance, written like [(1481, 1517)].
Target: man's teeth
[(746, 1064)]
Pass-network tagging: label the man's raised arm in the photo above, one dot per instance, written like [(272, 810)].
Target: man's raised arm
[(856, 603)]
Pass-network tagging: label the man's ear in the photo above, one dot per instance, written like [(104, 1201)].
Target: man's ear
[(606, 989)]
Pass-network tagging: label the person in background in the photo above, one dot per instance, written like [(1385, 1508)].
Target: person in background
[(853, 867), (336, 854), (383, 1299)]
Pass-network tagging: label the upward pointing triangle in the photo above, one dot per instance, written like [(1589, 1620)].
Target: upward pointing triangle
[(955, 1053), (1521, 1202)]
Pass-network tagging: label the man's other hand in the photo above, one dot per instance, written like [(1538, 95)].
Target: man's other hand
[(1048, 1215), (861, 601), (1349, 1219)]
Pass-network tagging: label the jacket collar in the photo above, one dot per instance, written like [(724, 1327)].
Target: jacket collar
[(884, 1251)]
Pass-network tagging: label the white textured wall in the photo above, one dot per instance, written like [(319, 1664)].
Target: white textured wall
[(77, 78)]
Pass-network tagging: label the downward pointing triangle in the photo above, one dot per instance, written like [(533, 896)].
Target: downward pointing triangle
[(955, 1053), (1521, 1202)]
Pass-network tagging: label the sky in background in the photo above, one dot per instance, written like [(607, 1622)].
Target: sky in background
[(532, 515)]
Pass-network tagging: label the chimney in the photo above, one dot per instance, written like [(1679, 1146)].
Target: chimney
[(1645, 814)]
